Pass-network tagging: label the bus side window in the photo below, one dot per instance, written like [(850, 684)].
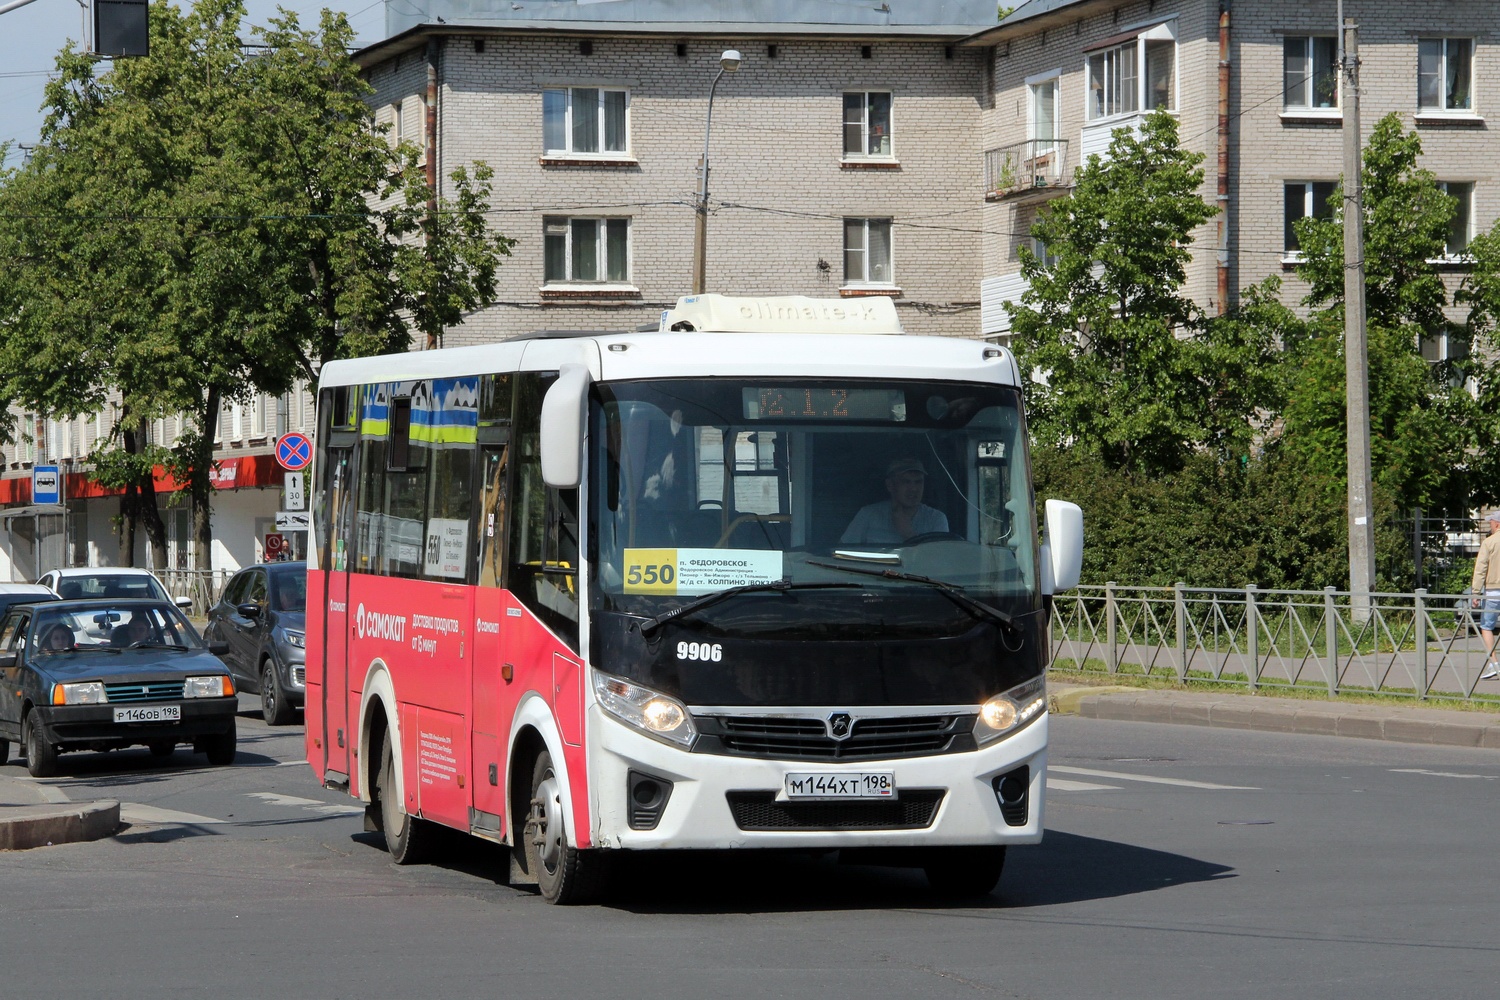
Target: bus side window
[(544, 525), (495, 398)]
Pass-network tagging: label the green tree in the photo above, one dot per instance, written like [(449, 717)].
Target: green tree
[(1121, 363), (206, 224), (1423, 419)]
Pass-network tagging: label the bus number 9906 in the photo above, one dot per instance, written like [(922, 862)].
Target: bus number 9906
[(711, 652)]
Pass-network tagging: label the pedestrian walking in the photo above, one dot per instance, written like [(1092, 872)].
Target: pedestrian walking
[(1486, 588)]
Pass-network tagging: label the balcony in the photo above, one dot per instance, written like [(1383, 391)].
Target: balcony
[(1035, 170)]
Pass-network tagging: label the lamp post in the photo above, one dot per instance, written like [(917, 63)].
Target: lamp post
[(729, 61)]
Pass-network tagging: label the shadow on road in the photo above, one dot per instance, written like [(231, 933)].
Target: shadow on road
[(1065, 868)]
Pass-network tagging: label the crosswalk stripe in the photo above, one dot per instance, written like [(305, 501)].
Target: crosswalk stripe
[(135, 812), (1441, 774), (1064, 785), (1150, 778)]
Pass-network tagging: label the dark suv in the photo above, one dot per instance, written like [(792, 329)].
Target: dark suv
[(262, 616)]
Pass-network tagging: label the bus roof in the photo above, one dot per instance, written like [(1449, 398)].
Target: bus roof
[(767, 337)]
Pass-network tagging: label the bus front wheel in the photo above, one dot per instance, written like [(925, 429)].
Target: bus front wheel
[(565, 875), (408, 838), (964, 872)]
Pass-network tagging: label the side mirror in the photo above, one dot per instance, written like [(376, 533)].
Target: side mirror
[(563, 412), (1062, 550), (7, 660), (250, 610), (185, 603), (218, 648)]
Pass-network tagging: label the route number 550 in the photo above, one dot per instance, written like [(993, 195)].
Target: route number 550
[(649, 575)]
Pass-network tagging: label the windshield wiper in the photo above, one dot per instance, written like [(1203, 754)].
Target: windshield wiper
[(948, 590), (157, 645), (650, 625)]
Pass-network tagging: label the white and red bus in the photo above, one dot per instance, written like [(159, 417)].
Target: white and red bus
[(767, 577)]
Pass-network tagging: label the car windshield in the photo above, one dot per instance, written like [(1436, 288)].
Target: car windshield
[(87, 586), (289, 591), (708, 484), (104, 626)]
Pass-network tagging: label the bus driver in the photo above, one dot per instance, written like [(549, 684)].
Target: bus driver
[(903, 516)]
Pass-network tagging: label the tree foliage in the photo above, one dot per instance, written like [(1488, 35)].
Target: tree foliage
[(215, 221), (1123, 364)]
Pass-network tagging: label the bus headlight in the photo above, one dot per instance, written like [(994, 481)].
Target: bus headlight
[(1005, 713), (651, 712)]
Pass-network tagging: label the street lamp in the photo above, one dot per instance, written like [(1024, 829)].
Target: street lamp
[(729, 61)]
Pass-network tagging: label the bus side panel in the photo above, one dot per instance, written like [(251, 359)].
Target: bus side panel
[(316, 644), (419, 631), (494, 703), (538, 657), (435, 745)]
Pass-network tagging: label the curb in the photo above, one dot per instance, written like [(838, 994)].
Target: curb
[(25, 827), (1242, 712)]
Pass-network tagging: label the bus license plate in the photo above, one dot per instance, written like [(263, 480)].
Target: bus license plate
[(149, 713), (839, 785)]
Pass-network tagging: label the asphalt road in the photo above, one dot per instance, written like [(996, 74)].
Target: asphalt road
[(1179, 862)]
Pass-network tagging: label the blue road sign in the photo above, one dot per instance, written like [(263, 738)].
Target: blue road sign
[(46, 484), (294, 451)]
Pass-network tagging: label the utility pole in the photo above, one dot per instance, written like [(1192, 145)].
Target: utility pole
[(1356, 350)]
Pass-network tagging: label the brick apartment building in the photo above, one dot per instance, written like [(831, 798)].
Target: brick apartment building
[(1069, 72)]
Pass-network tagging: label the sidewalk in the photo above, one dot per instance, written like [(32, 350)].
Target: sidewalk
[(34, 815), (1399, 723)]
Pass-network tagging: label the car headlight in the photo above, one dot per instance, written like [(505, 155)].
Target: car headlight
[(86, 693), (652, 712), (298, 639), (1005, 713), (212, 686)]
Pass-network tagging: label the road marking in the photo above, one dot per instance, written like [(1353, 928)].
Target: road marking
[(1150, 778), (135, 812), (1064, 785), (1442, 774), (311, 805)]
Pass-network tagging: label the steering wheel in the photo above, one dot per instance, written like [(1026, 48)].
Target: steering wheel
[(934, 536)]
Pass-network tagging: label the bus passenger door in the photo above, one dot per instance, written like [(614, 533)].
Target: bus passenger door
[(335, 700), (494, 697)]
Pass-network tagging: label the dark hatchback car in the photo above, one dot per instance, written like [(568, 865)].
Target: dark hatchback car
[(262, 618), (109, 674)]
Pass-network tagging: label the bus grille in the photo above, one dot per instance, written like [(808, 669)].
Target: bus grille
[(807, 739), (914, 810), (152, 691)]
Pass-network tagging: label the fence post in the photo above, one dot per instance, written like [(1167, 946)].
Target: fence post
[(1252, 636), (1420, 610), (1179, 602), (1113, 656), (1331, 640)]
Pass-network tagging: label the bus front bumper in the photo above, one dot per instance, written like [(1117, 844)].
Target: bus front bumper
[(710, 801)]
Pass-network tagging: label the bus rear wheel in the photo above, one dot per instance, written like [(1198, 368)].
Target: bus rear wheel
[(964, 872), (408, 838), (565, 875)]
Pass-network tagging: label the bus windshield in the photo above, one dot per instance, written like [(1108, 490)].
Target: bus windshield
[(891, 487)]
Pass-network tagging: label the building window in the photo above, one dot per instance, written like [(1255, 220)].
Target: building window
[(1460, 229), (586, 121), (867, 252), (1044, 96), (1310, 68), (1445, 74), (1305, 199), (867, 124), (586, 250), (1044, 255), (258, 416), (1115, 81)]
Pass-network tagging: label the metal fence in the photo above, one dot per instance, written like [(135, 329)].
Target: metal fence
[(203, 586), (1419, 645)]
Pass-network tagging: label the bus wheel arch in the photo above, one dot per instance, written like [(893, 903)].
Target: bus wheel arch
[(377, 716)]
